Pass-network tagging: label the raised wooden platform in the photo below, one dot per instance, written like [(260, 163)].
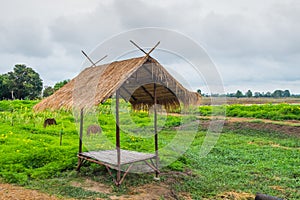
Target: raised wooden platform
[(109, 157)]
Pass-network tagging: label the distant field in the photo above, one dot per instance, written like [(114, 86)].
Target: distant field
[(253, 100), (280, 111)]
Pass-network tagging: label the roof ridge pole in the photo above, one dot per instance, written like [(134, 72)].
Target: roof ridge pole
[(118, 138), (155, 132)]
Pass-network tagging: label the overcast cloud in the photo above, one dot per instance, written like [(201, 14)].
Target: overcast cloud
[(255, 45)]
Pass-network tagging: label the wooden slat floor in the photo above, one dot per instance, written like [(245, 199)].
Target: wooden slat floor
[(110, 156)]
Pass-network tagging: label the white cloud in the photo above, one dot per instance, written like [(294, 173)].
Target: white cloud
[(25, 37), (252, 43)]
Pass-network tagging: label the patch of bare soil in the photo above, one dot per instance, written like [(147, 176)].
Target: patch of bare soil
[(285, 122), (263, 126), (153, 191), (291, 127), (147, 192), (279, 188), (232, 195), (12, 192), (92, 186)]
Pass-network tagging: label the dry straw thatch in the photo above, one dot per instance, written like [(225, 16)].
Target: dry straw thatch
[(135, 80)]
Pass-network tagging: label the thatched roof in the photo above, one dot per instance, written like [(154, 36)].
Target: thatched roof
[(134, 77)]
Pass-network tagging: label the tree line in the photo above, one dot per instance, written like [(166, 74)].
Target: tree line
[(249, 93), (239, 94), (24, 83)]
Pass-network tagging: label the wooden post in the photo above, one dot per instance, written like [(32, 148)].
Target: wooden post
[(118, 137), (155, 131), (60, 137), (81, 130), (80, 160)]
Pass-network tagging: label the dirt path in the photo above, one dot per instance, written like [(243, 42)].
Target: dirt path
[(145, 192), (148, 191), (290, 127), (243, 119), (12, 192)]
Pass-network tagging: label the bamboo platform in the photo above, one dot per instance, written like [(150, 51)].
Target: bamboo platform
[(109, 157)]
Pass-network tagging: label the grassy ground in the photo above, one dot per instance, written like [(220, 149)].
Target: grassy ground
[(249, 161), (243, 160), (281, 111)]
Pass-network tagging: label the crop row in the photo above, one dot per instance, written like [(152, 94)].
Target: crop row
[(264, 111)]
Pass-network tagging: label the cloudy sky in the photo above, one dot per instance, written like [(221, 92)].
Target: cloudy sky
[(253, 44)]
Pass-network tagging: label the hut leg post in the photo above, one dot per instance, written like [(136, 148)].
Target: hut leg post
[(118, 182), (155, 133), (80, 163), (80, 139)]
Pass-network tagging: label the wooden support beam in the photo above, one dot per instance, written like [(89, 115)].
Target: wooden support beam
[(155, 130), (80, 163), (165, 87), (150, 72), (152, 165), (122, 97), (145, 90), (124, 175), (129, 93), (118, 136), (81, 130), (171, 91), (80, 138)]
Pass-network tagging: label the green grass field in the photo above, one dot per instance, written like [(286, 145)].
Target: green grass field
[(243, 160), (281, 111)]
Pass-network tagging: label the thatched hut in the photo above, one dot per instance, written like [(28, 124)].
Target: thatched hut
[(141, 81), (94, 85)]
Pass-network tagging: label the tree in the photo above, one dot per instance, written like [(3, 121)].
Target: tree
[(58, 85), (4, 90), (199, 91), (286, 93), (249, 93), (277, 93), (268, 94), (48, 90), (238, 94), (24, 82), (257, 94), (230, 95)]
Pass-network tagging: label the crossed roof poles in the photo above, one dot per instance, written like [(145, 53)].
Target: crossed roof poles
[(94, 64)]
